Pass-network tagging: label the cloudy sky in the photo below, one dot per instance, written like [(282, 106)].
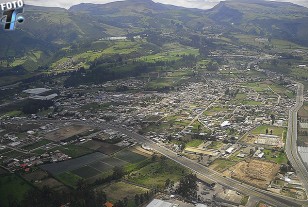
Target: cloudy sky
[(203, 4)]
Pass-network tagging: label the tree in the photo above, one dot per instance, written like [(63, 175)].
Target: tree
[(119, 203), (141, 198), (125, 201), (199, 128), (188, 187), (167, 183), (118, 172), (137, 200), (273, 118)]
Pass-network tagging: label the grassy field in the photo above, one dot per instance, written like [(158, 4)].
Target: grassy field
[(276, 156), (221, 165), (155, 174), (12, 113), (122, 47), (119, 190), (69, 179), (215, 145), (73, 150), (86, 172), (12, 187), (13, 154), (171, 52), (130, 156), (194, 143), (262, 130), (37, 144)]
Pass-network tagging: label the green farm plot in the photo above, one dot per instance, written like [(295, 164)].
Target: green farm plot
[(164, 82), (120, 190), (221, 165), (101, 166), (214, 110), (114, 161), (215, 145), (69, 179), (262, 130), (37, 144), (276, 156), (119, 47), (240, 96), (86, 172), (12, 113), (269, 87), (73, 150), (130, 156), (13, 187), (104, 147), (155, 174), (13, 154), (194, 143), (171, 52), (257, 86)]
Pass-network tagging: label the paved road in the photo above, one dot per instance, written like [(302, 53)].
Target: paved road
[(291, 145)]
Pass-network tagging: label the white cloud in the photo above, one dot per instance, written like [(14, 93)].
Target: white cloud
[(201, 4)]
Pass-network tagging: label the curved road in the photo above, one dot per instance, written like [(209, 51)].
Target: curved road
[(291, 145)]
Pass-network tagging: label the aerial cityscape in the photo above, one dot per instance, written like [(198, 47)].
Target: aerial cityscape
[(139, 103)]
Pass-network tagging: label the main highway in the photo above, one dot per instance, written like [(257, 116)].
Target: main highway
[(291, 144)]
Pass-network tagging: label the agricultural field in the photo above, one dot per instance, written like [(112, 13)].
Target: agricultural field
[(119, 190), (269, 88), (84, 59), (255, 172), (170, 52), (276, 156), (278, 131), (156, 173), (73, 150), (102, 146), (69, 179), (86, 172), (38, 144), (61, 167), (221, 165), (215, 145), (94, 165), (67, 132), (130, 156), (194, 143), (253, 136), (109, 149), (40, 178), (12, 154)]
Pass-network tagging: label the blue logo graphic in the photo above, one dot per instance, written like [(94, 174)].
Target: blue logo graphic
[(10, 18)]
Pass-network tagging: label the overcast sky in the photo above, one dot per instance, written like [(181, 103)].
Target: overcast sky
[(202, 4)]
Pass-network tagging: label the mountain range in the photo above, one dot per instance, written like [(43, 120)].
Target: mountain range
[(50, 29)]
